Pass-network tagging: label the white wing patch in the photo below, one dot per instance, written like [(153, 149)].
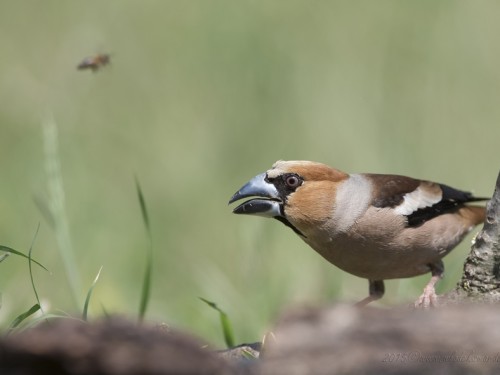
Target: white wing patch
[(418, 199)]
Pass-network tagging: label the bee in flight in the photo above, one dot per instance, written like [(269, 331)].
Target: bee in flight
[(95, 62)]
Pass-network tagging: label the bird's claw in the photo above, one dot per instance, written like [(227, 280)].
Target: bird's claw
[(427, 299)]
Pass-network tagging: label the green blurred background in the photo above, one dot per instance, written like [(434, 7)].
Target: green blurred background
[(203, 95)]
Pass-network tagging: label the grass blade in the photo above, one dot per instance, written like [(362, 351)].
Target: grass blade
[(44, 210), (4, 256), (146, 289), (105, 311), (89, 294), (56, 205), (19, 319), (146, 284), (46, 318), (227, 330), (31, 271), (12, 251), (144, 211)]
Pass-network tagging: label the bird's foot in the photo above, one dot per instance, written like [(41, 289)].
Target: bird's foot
[(427, 299)]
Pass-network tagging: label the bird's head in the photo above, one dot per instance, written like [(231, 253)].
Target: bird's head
[(300, 194)]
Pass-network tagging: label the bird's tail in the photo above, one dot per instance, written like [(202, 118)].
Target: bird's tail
[(473, 214)]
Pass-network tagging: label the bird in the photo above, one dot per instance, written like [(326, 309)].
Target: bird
[(374, 226)]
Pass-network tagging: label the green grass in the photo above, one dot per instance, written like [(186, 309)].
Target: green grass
[(25, 315), (56, 204), (146, 284), (36, 307), (227, 329), (9, 250), (89, 295), (30, 260), (199, 97)]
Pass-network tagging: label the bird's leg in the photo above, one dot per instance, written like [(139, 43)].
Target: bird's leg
[(377, 290), (429, 297)]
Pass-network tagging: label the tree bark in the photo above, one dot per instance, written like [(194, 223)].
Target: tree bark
[(481, 276)]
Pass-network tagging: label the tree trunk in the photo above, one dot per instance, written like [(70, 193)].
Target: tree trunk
[(481, 277)]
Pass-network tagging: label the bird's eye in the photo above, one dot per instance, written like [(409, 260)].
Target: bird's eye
[(292, 181)]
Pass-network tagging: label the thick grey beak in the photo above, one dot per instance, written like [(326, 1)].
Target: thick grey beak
[(258, 187)]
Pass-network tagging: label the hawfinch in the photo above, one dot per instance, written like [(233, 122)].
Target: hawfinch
[(374, 226)]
